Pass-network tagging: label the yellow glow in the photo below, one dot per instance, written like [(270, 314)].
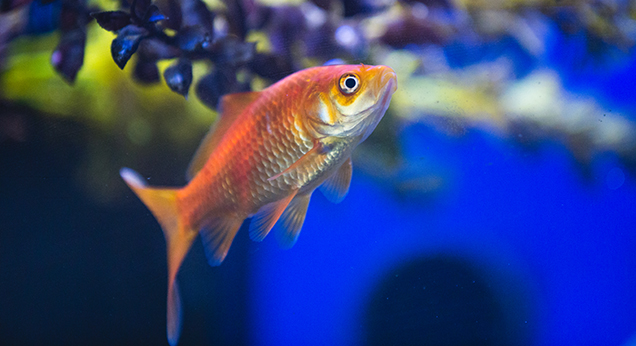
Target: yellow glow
[(102, 94)]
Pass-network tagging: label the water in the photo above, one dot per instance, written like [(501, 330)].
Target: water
[(493, 205)]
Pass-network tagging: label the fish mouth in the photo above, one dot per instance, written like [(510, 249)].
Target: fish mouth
[(391, 87), (382, 105), (389, 78), (386, 84)]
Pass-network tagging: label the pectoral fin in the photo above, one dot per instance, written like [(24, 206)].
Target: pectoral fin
[(266, 217), (291, 222), (312, 155), (336, 187)]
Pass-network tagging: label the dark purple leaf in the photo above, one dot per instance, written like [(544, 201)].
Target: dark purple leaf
[(139, 7), (146, 71), (193, 38), (124, 4), (74, 15), (69, 17), (210, 89), (356, 7), (126, 43), (179, 77), (112, 20), (321, 42), (196, 13), (443, 4), (236, 18), (324, 4), (274, 67), (172, 11), (257, 17), (232, 52), (287, 27), (213, 86), (8, 5), (155, 49), (153, 15), (68, 57), (412, 29)]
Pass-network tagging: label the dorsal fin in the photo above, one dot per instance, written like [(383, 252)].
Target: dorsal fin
[(231, 107)]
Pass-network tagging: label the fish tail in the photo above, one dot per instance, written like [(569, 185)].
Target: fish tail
[(179, 237)]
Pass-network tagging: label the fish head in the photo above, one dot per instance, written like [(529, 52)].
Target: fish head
[(350, 100)]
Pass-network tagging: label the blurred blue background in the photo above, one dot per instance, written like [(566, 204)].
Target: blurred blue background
[(519, 246), (494, 205)]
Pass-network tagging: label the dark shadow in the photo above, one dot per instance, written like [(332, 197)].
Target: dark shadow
[(441, 300)]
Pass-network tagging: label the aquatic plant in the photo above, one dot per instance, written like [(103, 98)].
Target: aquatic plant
[(462, 64)]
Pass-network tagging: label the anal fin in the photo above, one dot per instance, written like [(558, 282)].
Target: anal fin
[(291, 222), (217, 235), (266, 217)]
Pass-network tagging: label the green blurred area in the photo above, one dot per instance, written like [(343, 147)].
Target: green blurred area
[(102, 95)]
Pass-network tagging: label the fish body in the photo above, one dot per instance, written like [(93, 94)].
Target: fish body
[(263, 159)]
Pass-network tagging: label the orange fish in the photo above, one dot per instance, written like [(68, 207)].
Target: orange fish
[(263, 159)]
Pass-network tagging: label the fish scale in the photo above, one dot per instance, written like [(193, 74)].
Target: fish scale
[(246, 145)]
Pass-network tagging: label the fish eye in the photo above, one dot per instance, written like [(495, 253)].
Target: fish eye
[(349, 83)]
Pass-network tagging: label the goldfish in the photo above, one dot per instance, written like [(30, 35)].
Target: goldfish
[(265, 156)]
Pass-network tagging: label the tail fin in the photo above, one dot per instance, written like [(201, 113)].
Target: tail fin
[(163, 205)]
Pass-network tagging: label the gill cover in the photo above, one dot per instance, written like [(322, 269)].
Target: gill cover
[(356, 99)]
